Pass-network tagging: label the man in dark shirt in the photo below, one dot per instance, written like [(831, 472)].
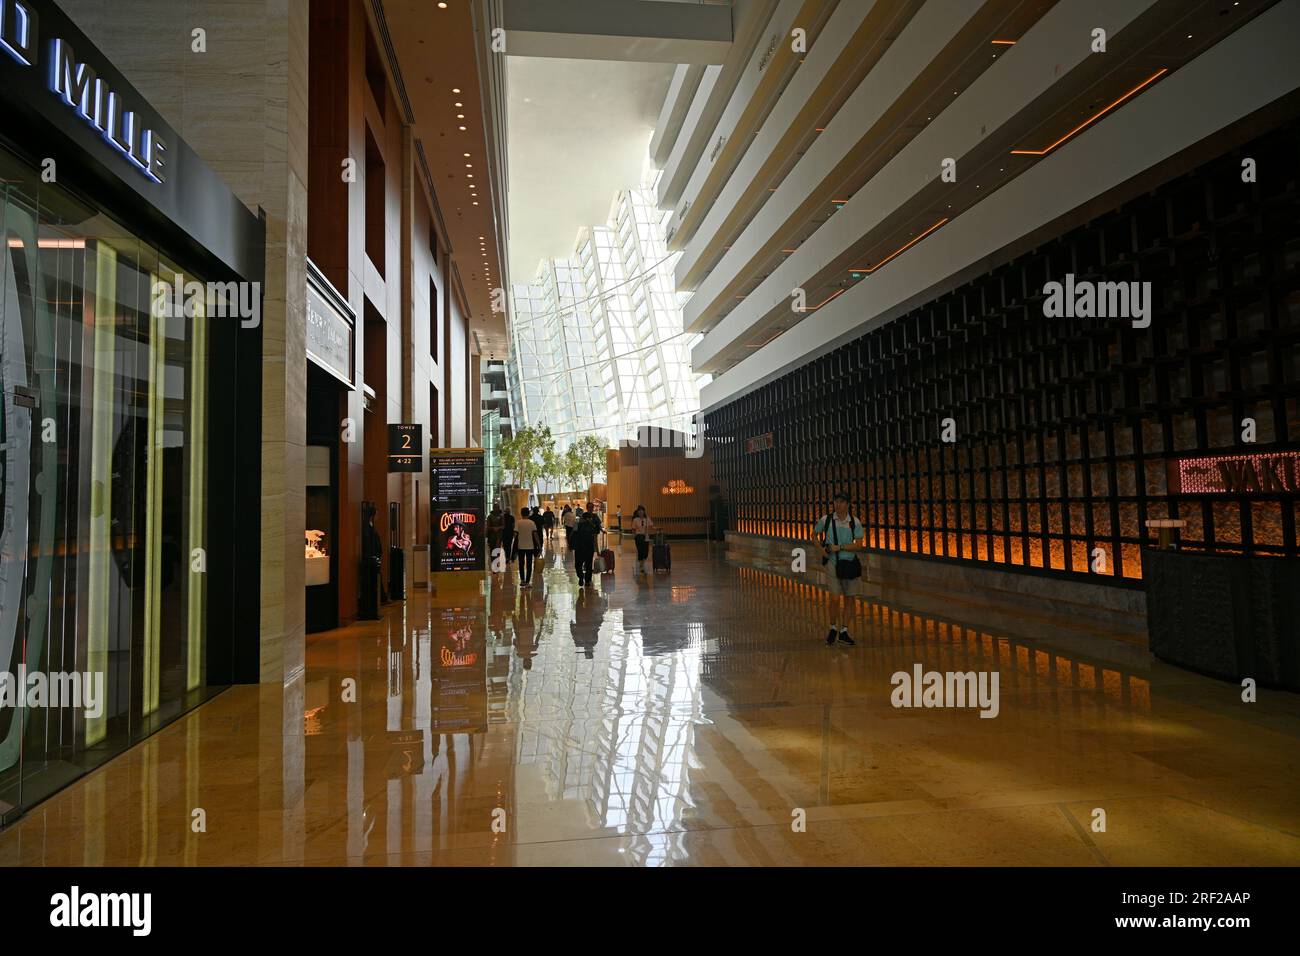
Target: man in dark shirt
[(584, 546)]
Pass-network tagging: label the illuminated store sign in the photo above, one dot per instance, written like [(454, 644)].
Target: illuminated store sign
[(1274, 473), (758, 443), (81, 87), (677, 487)]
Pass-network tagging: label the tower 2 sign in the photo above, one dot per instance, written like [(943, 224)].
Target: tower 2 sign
[(80, 86)]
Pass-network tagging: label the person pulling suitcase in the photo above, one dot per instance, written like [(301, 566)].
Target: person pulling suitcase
[(641, 528)]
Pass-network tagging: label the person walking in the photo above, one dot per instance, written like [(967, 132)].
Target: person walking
[(526, 535), (585, 534), (840, 535), (508, 535), (641, 528), (495, 525), (570, 521)]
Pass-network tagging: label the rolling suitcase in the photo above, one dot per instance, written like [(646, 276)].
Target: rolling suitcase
[(661, 556), (607, 555)]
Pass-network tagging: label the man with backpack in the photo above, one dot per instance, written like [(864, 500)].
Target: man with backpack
[(840, 535)]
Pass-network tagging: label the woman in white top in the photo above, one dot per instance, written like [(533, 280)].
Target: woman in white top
[(641, 526)]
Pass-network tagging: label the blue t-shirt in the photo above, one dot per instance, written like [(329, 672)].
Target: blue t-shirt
[(840, 533)]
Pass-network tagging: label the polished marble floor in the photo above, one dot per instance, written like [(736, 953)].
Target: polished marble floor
[(690, 718)]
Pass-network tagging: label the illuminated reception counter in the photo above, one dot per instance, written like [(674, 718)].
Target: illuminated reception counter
[(1225, 615)]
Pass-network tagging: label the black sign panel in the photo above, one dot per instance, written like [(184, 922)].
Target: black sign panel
[(404, 444), (71, 104), (456, 504)]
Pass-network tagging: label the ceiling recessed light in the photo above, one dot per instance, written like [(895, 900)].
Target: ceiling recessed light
[(462, 129), (442, 6), (469, 165), (459, 105), (455, 89), (467, 155), (469, 175), (460, 116)]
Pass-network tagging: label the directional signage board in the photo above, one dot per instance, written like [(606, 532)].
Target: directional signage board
[(404, 444)]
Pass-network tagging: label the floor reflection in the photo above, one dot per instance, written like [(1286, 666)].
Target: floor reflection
[(695, 717)]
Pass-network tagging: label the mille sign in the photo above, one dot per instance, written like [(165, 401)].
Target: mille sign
[(1258, 474)]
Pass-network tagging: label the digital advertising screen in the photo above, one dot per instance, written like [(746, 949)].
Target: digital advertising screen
[(456, 508)]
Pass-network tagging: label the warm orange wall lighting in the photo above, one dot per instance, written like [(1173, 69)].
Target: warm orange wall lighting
[(899, 251), (1091, 119), (759, 345), (824, 301), (1004, 42)]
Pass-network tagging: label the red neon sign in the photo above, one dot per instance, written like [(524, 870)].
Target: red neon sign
[(1262, 473)]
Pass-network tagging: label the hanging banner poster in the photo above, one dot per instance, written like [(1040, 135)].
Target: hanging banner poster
[(456, 507)]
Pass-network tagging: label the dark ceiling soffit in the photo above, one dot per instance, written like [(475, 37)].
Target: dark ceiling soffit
[(395, 71), (492, 83)]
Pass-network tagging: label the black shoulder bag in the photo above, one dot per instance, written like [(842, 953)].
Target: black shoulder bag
[(844, 570)]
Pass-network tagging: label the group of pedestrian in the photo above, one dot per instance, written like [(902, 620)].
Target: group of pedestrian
[(839, 534), (522, 539)]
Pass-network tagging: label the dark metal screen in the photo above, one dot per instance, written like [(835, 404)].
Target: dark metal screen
[(1063, 425)]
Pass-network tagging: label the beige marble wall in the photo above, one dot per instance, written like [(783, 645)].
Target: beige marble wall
[(242, 105)]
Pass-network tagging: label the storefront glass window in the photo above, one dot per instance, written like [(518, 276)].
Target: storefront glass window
[(103, 451)]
